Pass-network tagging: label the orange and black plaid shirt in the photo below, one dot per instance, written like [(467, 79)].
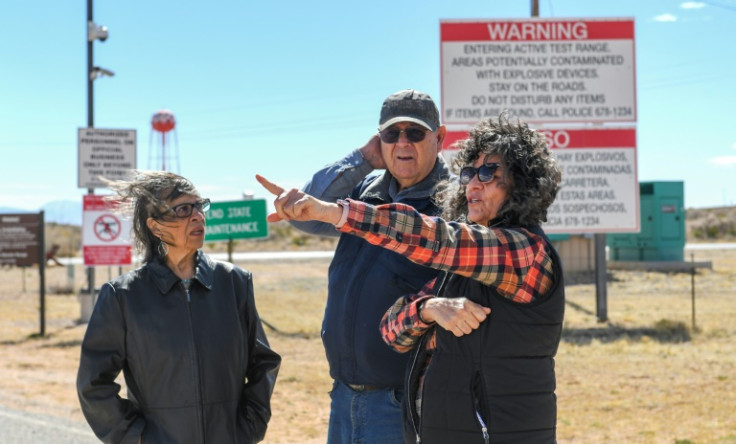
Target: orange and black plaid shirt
[(514, 261)]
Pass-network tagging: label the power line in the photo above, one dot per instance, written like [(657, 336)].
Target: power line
[(271, 103), (281, 127), (670, 83), (718, 5), (255, 131)]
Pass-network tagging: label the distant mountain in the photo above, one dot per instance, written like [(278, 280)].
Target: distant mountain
[(67, 212), (63, 212), (13, 210)]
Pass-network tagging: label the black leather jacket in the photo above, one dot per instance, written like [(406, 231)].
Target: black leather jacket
[(197, 363)]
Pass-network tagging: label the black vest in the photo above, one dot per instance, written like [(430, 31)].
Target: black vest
[(501, 377)]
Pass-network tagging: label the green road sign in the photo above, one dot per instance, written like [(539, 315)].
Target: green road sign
[(238, 219)]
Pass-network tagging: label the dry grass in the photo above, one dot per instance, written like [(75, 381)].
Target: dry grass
[(648, 376), (644, 377)]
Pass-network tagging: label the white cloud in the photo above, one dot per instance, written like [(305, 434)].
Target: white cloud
[(692, 5), (724, 161), (665, 18)]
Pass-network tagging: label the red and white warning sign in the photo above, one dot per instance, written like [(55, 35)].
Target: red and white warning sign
[(105, 234), (559, 70), (599, 190)]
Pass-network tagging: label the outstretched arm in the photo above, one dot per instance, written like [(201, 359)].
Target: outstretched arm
[(513, 260), (297, 205), (337, 180)]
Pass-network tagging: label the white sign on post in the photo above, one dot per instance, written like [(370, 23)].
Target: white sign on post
[(109, 153), (539, 70)]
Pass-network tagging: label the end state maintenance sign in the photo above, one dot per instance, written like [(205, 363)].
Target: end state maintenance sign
[(239, 219)]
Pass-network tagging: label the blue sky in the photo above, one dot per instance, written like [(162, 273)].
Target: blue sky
[(282, 88)]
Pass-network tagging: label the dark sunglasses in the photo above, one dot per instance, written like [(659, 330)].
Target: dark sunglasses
[(185, 210), (391, 134), (485, 173)]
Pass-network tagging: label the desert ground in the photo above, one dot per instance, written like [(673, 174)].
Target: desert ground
[(659, 370)]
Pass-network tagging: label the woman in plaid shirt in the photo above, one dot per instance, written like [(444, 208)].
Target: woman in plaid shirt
[(484, 335)]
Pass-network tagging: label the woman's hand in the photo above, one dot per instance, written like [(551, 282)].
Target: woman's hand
[(457, 315), (299, 206)]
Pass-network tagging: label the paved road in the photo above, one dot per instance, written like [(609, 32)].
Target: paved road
[(301, 255), (711, 246), (243, 256), (18, 427)]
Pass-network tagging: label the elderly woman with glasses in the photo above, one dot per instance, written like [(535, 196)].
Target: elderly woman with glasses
[(183, 328), (484, 334)]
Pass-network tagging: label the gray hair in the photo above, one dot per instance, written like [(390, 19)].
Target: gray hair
[(531, 172), (147, 194)]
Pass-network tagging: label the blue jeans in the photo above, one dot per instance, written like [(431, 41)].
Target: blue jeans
[(369, 417)]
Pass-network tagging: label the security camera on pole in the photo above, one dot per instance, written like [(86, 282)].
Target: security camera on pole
[(103, 154), (94, 32)]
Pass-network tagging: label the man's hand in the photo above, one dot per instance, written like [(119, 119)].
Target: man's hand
[(298, 205), (458, 315), (372, 154)]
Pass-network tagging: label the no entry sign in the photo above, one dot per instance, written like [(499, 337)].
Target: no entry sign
[(105, 234)]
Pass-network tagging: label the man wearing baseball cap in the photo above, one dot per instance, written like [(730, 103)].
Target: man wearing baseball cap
[(365, 280)]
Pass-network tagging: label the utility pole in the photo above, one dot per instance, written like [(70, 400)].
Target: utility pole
[(90, 89), (90, 124), (94, 32), (599, 243)]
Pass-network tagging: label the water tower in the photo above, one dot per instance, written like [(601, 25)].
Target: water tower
[(165, 153)]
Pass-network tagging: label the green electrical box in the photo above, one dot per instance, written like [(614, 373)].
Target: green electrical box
[(662, 235)]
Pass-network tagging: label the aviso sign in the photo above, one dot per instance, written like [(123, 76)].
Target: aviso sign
[(599, 189)]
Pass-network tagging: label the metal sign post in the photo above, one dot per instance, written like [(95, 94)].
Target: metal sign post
[(41, 274), (601, 291)]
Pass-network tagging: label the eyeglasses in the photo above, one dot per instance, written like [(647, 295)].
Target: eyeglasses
[(185, 210), (485, 173), (413, 134)]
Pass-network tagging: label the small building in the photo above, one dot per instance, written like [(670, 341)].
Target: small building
[(661, 237), (662, 234)]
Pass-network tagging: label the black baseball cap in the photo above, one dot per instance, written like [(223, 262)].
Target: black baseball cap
[(409, 105)]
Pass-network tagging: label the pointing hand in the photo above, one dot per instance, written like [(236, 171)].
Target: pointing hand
[(298, 205)]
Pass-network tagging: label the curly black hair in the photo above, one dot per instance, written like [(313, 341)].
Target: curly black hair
[(530, 170)]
